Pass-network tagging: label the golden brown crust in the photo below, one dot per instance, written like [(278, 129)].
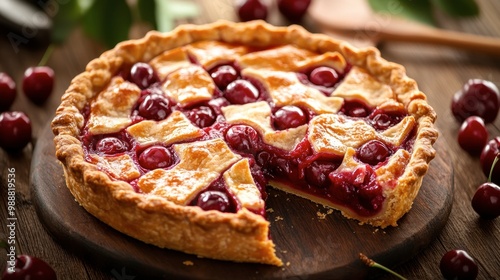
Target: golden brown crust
[(242, 236)]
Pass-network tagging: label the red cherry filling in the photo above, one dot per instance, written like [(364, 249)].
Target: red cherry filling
[(324, 76), (241, 92), (156, 157), (213, 200), (201, 116), (242, 138), (111, 145), (354, 108), (7, 91), (318, 172), (383, 120), (289, 117), (15, 128), (373, 152), (224, 75), (358, 189), (154, 107), (143, 75)]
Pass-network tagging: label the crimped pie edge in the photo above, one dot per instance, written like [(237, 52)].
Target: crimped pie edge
[(243, 236)]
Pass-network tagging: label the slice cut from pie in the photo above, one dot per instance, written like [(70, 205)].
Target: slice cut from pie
[(173, 138)]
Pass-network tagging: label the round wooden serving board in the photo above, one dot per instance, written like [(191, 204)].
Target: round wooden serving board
[(313, 243)]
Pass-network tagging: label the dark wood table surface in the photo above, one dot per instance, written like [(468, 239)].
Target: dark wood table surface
[(439, 71)]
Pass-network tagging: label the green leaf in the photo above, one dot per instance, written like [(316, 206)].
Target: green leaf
[(458, 8), (420, 10), (67, 17), (108, 21), (146, 10)]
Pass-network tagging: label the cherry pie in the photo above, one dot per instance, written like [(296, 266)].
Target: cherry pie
[(173, 138)]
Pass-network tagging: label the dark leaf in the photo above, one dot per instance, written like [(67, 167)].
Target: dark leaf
[(458, 8), (420, 10), (147, 11), (66, 16), (108, 21)]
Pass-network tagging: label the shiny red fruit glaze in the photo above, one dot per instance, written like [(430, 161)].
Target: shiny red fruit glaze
[(224, 75), (317, 173), (143, 75), (241, 92), (251, 10), (111, 145), (457, 264), (242, 138), (324, 76), (214, 200), (473, 135), (15, 128), (490, 151), (156, 157), (154, 107), (289, 117), (486, 201), (38, 83), (28, 267), (373, 152), (7, 91), (201, 116), (353, 108), (381, 120), (293, 10), (477, 98)]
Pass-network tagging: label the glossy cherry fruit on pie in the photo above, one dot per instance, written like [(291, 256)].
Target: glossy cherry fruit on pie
[(29, 267), (15, 128), (488, 155), (7, 91), (458, 264), (38, 83), (473, 135), (477, 98)]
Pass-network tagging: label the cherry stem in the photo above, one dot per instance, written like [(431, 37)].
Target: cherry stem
[(47, 55), (371, 263), (497, 157)]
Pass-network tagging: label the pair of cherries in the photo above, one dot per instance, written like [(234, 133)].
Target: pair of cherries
[(15, 126)]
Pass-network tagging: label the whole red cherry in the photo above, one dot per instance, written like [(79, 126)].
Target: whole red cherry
[(7, 91), (457, 264), (473, 135), (293, 10), (490, 151), (29, 267), (251, 10), (486, 201), (477, 98), (15, 128), (38, 83)]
